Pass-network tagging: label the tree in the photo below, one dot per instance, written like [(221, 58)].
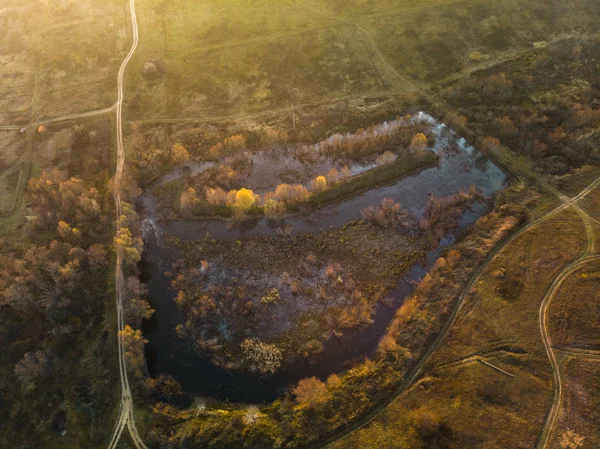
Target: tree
[(137, 310), (133, 343), (164, 388), (426, 422), (32, 366), (131, 247), (385, 158), (68, 233), (251, 415), (505, 127), (332, 176), (216, 196), (244, 200), (334, 381), (310, 392), (490, 144), (287, 193), (345, 172), (418, 142), (96, 255), (188, 199), (179, 154), (319, 184), (273, 208), (235, 142)]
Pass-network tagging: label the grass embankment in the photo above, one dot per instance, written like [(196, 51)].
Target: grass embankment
[(470, 403), (376, 177), (341, 190)]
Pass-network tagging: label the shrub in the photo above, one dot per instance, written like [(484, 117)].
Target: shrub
[(261, 357), (389, 213), (273, 208), (310, 392)]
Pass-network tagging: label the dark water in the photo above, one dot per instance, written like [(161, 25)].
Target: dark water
[(460, 167)]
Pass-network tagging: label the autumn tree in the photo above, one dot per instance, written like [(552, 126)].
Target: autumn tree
[(188, 199), (179, 154), (418, 142), (273, 208), (96, 255), (137, 310), (216, 196), (287, 193), (129, 245), (386, 158), (490, 144), (345, 172), (244, 200), (68, 233), (505, 127), (332, 176), (319, 184), (133, 343), (310, 392), (30, 368), (164, 388)]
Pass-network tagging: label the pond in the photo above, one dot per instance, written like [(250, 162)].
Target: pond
[(460, 166)]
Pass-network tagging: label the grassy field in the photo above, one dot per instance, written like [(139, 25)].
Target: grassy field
[(473, 404), (211, 58), (430, 44), (573, 313), (59, 58), (580, 409), (591, 203)]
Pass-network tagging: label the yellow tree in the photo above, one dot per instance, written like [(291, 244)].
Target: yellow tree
[(319, 184), (244, 200), (418, 142), (179, 154), (133, 343), (131, 246)]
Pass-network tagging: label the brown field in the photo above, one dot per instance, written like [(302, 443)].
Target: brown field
[(580, 409), (476, 405), (574, 311)]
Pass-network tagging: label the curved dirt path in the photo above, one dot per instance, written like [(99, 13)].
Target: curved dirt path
[(61, 118), (585, 258), (126, 415)]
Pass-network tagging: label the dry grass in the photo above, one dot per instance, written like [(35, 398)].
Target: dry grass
[(580, 410), (574, 311), (591, 203)]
